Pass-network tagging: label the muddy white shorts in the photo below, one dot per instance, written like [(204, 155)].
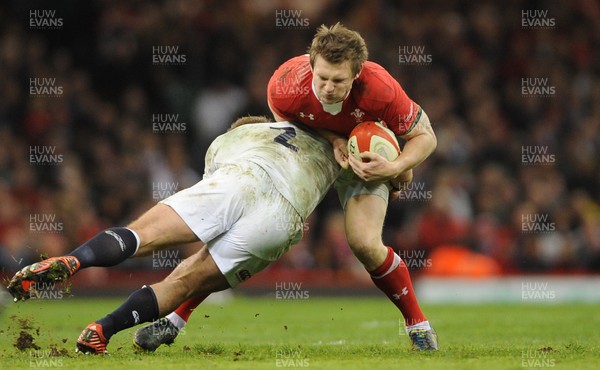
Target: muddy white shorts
[(244, 220)]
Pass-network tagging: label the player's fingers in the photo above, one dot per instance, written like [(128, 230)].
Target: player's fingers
[(342, 160), (374, 158), (362, 168), (368, 156), (341, 157), (344, 148), (352, 159), (355, 164), (360, 173)]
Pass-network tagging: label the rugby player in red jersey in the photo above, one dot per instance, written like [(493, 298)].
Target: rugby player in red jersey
[(334, 88)]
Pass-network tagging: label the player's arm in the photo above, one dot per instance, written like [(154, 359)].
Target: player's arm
[(420, 143), (277, 117), (277, 106), (340, 146)]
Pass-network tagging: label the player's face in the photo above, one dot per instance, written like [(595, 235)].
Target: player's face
[(332, 81)]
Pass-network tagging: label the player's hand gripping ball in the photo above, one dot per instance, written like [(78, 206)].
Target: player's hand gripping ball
[(373, 137)]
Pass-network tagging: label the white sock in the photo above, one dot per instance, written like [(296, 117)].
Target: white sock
[(176, 320), (423, 325), (137, 239)]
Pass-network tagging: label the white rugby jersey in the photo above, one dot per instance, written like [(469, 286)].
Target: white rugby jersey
[(300, 164)]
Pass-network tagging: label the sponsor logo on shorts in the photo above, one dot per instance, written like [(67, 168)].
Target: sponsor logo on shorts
[(243, 275)]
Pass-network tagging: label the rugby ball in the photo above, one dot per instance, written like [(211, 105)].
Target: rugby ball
[(373, 137)]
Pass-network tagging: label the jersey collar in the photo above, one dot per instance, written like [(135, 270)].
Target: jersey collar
[(333, 108)]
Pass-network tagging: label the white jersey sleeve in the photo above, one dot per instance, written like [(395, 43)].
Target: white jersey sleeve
[(300, 164)]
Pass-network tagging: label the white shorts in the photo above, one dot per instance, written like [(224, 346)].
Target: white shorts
[(245, 222), (349, 185)]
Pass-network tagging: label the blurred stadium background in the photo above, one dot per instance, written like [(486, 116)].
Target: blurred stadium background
[(108, 106)]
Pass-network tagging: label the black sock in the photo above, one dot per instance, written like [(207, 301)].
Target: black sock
[(108, 248), (141, 306)]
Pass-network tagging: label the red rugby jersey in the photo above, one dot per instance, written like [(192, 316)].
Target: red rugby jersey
[(375, 95)]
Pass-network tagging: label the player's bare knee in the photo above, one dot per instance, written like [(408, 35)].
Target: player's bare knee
[(368, 250), (364, 242)]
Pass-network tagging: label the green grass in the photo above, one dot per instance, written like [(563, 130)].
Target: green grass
[(323, 333)]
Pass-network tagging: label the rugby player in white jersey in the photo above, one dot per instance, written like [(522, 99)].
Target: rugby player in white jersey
[(261, 182)]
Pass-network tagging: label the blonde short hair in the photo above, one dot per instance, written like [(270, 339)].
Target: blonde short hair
[(337, 44), (249, 120)]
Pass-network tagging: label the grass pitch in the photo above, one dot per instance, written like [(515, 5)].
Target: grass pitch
[(317, 333)]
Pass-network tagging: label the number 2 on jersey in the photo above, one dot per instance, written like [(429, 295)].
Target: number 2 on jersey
[(283, 138)]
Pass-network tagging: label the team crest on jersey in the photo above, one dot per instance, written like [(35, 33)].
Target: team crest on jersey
[(358, 115), (310, 116)]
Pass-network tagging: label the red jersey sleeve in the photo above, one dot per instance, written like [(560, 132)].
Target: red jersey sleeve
[(277, 105), (402, 113), (290, 82)]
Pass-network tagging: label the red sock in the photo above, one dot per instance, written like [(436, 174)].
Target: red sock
[(186, 308), (393, 279)]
